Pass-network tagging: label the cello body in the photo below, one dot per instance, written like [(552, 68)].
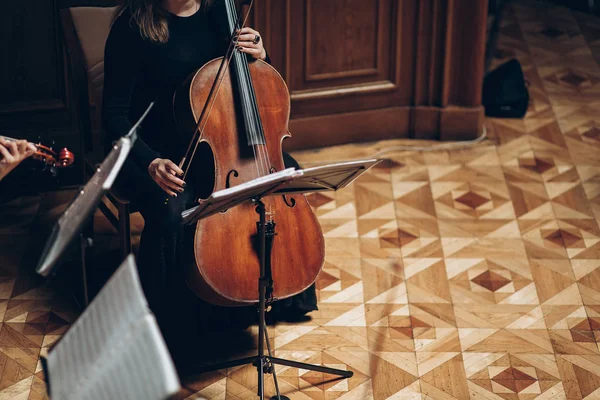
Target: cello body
[(223, 264)]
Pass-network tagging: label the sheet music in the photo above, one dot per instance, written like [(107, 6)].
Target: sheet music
[(230, 197), (324, 178), (115, 349), (328, 177)]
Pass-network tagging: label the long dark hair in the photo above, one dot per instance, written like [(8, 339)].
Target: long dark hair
[(151, 19)]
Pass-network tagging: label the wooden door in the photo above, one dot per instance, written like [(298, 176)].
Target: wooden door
[(342, 62), (373, 69)]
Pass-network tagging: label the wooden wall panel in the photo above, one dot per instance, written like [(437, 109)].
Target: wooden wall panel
[(31, 75), (450, 39), (342, 61), (408, 62), (465, 43), (343, 42), (34, 100), (342, 50), (392, 68), (33, 92)]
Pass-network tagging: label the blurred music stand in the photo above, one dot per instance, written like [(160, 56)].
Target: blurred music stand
[(114, 350), (82, 207), (324, 178)]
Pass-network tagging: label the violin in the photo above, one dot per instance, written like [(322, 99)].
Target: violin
[(48, 156), (235, 113)]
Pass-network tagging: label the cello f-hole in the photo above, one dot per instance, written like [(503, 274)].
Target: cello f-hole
[(290, 202), (228, 180), (228, 183)]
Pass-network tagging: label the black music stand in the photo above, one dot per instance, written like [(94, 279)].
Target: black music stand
[(324, 178), (84, 204)]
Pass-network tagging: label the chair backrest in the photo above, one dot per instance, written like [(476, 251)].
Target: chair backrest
[(92, 25), (85, 31)]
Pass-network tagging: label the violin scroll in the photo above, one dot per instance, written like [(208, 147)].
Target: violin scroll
[(48, 156), (65, 158)]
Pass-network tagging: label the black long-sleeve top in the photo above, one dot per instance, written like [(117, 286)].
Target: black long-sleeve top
[(138, 71)]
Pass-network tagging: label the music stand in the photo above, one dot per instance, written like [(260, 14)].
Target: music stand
[(328, 177), (85, 203), (114, 350)]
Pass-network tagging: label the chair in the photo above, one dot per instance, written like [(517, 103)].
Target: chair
[(85, 30)]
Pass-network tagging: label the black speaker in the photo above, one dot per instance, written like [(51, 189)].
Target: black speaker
[(505, 93)]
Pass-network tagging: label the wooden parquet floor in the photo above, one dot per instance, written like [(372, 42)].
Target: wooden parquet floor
[(463, 274)]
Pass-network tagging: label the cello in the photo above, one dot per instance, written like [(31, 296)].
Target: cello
[(238, 112)]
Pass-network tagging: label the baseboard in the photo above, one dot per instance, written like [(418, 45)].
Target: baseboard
[(432, 123), (363, 126)]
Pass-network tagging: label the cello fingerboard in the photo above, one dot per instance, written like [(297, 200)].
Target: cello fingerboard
[(247, 97)]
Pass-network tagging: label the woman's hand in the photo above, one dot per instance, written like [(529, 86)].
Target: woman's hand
[(165, 172), (250, 42), (13, 153)]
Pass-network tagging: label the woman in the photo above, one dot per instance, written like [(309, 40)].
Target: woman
[(152, 47)]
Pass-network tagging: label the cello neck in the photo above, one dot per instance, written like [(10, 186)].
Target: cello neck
[(245, 88)]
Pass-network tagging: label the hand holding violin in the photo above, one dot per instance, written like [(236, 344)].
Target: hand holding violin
[(250, 42), (13, 152), (165, 172)]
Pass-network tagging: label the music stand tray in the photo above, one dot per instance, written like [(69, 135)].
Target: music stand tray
[(323, 178), (330, 177), (227, 198)]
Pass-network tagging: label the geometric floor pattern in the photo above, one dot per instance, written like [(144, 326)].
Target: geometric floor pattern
[(459, 274)]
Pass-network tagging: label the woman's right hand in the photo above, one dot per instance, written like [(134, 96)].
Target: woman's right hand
[(165, 172)]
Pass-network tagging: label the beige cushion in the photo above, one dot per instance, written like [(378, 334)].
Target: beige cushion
[(92, 25)]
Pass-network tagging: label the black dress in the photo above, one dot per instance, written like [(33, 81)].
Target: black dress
[(137, 72)]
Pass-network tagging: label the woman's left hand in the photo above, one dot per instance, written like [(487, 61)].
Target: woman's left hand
[(12, 153), (251, 42)]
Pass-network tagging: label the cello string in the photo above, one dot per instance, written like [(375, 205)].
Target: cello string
[(239, 69), (259, 138), (253, 124), (264, 154), (225, 63), (250, 135), (259, 144), (248, 103), (244, 81), (252, 115), (244, 100)]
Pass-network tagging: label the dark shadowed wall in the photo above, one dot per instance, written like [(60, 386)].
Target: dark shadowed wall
[(356, 69)]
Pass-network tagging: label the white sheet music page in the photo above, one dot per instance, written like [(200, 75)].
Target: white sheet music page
[(329, 177), (114, 350)]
